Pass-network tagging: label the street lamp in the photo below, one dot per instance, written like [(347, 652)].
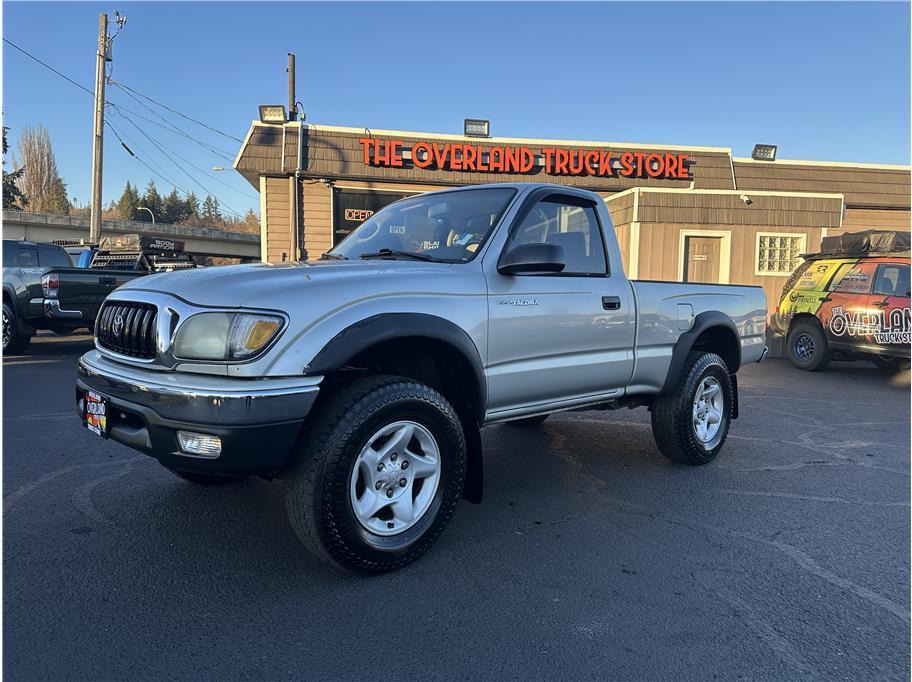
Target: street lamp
[(143, 208)]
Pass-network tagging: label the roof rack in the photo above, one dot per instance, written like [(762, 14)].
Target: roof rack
[(866, 243)]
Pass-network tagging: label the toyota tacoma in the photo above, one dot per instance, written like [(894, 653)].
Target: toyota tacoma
[(362, 380)]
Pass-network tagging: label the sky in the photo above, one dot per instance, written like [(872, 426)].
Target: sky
[(823, 81)]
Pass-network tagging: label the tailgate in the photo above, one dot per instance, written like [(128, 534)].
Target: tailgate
[(85, 289)]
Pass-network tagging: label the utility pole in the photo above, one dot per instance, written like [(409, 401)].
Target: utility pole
[(98, 128), (292, 112)]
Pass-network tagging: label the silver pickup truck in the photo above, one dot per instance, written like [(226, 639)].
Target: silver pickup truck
[(362, 380)]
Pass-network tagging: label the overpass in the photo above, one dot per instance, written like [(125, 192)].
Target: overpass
[(203, 241)]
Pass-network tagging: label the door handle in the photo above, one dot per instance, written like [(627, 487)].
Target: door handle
[(825, 299), (611, 302), (107, 280), (881, 304)]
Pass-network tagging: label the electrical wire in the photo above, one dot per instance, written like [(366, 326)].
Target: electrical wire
[(174, 111), (191, 164), (47, 66), (180, 167), (173, 127), (120, 135)]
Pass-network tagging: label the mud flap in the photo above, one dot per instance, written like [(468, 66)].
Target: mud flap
[(474, 481), (734, 383)]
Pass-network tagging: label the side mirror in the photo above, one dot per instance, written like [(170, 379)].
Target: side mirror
[(533, 259)]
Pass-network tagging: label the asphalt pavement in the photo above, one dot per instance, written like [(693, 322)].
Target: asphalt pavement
[(590, 557)]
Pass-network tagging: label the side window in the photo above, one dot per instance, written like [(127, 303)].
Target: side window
[(54, 257), (851, 278), (575, 228), (892, 280)]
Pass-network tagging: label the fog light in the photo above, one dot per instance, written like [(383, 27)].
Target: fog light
[(199, 444)]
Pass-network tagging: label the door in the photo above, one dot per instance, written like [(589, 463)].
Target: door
[(890, 300), (563, 336), (702, 259), (844, 312)]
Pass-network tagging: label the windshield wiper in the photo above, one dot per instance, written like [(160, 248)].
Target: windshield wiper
[(332, 256), (393, 252)]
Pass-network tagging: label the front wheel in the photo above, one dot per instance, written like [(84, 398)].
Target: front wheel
[(691, 423), (808, 348), (378, 476)]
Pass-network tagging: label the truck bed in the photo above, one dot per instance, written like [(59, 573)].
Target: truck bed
[(665, 310), (82, 290)]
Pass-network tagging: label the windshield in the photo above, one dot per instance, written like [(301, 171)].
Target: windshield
[(444, 226)]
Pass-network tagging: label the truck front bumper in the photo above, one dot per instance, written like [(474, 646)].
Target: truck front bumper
[(256, 420)]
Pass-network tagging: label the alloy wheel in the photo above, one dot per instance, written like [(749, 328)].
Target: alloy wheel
[(708, 409), (395, 478)]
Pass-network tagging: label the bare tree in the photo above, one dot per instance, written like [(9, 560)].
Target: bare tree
[(39, 180)]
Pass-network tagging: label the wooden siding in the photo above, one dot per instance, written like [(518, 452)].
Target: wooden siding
[(729, 209), (623, 237), (620, 208), (660, 253), (860, 219), (278, 220), (317, 218), (868, 187)]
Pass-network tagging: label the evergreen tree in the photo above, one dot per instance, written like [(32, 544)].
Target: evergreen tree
[(174, 209), (12, 195), (126, 206), (193, 207), (152, 200)]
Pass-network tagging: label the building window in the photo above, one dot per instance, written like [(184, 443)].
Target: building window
[(779, 254)]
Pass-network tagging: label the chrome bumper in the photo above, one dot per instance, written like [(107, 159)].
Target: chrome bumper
[(200, 398), (53, 310)]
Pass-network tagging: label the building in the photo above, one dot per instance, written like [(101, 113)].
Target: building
[(681, 213)]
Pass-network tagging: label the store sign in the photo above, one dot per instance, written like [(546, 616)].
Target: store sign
[(466, 157)]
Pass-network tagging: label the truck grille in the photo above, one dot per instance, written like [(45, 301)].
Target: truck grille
[(128, 328)]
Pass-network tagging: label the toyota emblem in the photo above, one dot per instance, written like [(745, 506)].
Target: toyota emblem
[(117, 326)]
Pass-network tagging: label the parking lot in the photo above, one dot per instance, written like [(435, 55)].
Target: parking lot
[(590, 557)]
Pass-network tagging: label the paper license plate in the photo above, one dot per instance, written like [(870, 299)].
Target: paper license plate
[(96, 413)]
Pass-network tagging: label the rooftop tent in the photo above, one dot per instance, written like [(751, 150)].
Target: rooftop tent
[(869, 241)]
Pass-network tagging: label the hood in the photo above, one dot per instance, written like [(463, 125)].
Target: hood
[(263, 285)]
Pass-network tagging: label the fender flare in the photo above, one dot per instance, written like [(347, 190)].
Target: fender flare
[(702, 322), (389, 326)]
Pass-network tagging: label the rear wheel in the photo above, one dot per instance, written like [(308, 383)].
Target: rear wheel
[(691, 423), (890, 364), (808, 348), (13, 340), (528, 422), (377, 478)]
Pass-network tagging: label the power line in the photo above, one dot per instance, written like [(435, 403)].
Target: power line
[(181, 168), (174, 111), (193, 165), (161, 174), (47, 66)]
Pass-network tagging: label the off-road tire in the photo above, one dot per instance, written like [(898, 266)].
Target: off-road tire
[(15, 342), (528, 422), (890, 364), (204, 479), (821, 355), (672, 414), (317, 493)]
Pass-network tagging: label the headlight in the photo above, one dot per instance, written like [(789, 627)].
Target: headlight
[(225, 336)]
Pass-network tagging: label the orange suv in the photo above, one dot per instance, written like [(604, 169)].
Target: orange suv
[(850, 300)]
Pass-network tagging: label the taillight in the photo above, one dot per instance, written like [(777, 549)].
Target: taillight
[(50, 283)]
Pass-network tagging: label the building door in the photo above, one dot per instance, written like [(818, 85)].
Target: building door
[(702, 259)]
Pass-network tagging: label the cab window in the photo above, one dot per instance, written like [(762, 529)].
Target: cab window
[(892, 280), (53, 257), (574, 227), (851, 278), (15, 256)]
